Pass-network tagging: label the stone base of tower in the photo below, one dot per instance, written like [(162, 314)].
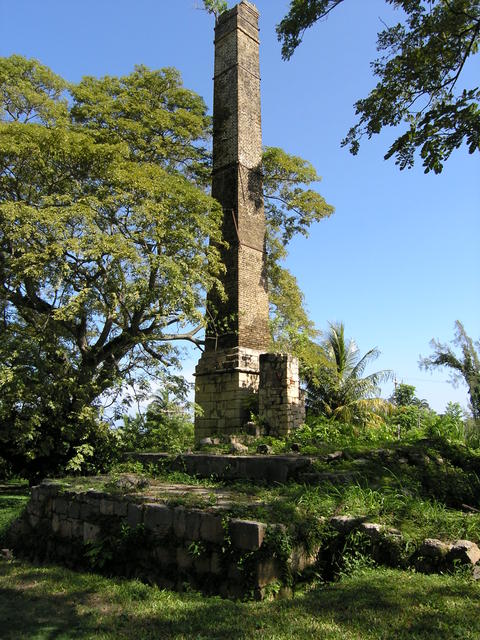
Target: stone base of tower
[(281, 405), (226, 390), (232, 383)]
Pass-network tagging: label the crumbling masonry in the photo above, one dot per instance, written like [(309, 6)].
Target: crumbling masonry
[(228, 373)]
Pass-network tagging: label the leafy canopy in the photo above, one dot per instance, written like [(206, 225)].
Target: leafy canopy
[(217, 7), (419, 71), (291, 207), (404, 396), (104, 242)]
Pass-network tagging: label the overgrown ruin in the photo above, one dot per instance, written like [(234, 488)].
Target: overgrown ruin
[(234, 376)]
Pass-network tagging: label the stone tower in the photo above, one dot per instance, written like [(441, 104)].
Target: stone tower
[(227, 375)]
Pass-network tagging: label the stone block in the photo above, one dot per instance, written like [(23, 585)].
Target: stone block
[(91, 532), (158, 518), (345, 524), (247, 535), (216, 564), (134, 515), (433, 548), (234, 573), (371, 530), (184, 559), (36, 493), (211, 529), (179, 522), (65, 529), (107, 507), (73, 508), (93, 494), (193, 520), (86, 510), (301, 560), (59, 505), (49, 488), (35, 507), (202, 564), (431, 555), (77, 528), (267, 571), (464, 552), (164, 556), (120, 508), (55, 523)]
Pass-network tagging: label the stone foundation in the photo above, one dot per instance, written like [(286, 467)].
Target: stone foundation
[(232, 383), (177, 546), (226, 390), (255, 468), (281, 401), (171, 546)]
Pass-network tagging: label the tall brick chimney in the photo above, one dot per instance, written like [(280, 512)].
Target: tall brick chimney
[(227, 374)]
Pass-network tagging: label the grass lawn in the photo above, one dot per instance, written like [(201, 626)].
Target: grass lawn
[(13, 497), (46, 603)]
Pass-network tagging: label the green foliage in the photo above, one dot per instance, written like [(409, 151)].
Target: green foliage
[(355, 556), (217, 7), (464, 368), (472, 433), (321, 432), (108, 243), (116, 547), (450, 425), (14, 496), (166, 426), (370, 604), (411, 420), (291, 207), (422, 59), (104, 252), (337, 389), (404, 395)]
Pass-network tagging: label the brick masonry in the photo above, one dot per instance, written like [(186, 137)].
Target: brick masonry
[(228, 374), (242, 319)]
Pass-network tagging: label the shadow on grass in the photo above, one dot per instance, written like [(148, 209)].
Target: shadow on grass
[(50, 603)]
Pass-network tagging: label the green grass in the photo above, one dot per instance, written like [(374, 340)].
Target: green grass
[(46, 603), (13, 497), (423, 500)]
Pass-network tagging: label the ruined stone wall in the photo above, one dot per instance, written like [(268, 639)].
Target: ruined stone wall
[(175, 546), (166, 545), (281, 401), (226, 384)]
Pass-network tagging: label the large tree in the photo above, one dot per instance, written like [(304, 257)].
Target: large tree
[(104, 252), (419, 71), (291, 207), (463, 368), (107, 245)]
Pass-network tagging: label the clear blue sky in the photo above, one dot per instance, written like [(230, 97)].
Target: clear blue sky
[(399, 261)]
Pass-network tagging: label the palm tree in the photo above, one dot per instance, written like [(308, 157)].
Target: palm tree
[(338, 390), (466, 366)]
